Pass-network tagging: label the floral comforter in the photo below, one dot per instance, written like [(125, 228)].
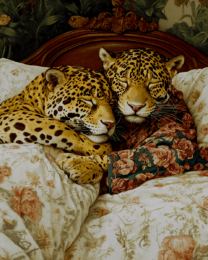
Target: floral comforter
[(163, 219), (41, 210), (43, 215)]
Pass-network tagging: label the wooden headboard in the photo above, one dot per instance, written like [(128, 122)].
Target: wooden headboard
[(80, 47)]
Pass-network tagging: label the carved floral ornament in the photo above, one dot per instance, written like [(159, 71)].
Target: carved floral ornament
[(117, 22)]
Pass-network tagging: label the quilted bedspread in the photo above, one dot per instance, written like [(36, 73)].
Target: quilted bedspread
[(163, 219), (41, 210)]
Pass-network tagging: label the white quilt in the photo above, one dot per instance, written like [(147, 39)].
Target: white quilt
[(41, 210)]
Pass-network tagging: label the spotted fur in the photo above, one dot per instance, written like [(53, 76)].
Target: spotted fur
[(141, 79), (63, 108)]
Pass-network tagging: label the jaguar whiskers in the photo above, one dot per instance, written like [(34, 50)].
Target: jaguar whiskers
[(167, 111)]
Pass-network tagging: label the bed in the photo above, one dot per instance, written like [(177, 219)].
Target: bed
[(44, 215)]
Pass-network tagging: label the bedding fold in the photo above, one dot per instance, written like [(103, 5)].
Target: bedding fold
[(41, 210)]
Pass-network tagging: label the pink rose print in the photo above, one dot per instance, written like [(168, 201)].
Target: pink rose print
[(120, 185), (125, 165), (135, 200), (141, 178), (25, 202), (184, 148), (201, 106), (174, 168), (108, 160), (193, 97), (50, 183), (198, 167), (126, 154), (177, 248), (162, 156), (36, 159), (203, 173), (171, 129), (187, 166), (204, 130), (5, 171), (190, 133), (187, 120)]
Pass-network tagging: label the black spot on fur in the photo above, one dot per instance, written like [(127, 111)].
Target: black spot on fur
[(33, 138), (58, 132), (6, 129), (71, 115), (38, 129), (96, 146), (19, 126), (28, 140), (42, 137), (19, 142), (12, 137), (26, 134)]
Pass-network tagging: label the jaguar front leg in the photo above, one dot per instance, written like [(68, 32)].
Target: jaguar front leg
[(29, 127)]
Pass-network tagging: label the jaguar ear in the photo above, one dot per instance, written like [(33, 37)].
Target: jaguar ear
[(106, 58), (174, 64), (54, 77)]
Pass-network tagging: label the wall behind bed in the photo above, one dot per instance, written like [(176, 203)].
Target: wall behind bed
[(25, 25)]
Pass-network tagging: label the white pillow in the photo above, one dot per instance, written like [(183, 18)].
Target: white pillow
[(15, 76), (194, 85)]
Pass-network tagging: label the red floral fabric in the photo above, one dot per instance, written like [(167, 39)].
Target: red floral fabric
[(162, 146)]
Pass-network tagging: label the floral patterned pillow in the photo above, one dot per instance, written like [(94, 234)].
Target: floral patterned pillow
[(15, 76), (160, 147), (194, 85)]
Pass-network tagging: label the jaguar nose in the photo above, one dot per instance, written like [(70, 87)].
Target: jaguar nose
[(109, 125), (136, 108)]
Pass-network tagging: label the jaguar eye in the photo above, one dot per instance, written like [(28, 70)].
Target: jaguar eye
[(154, 84), (89, 102), (164, 99), (125, 84)]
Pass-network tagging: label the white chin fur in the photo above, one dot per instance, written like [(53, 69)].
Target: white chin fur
[(98, 138), (135, 119)]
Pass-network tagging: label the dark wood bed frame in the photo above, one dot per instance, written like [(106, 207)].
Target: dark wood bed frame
[(80, 47)]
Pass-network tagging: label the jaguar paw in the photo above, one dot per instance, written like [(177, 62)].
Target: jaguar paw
[(81, 169)]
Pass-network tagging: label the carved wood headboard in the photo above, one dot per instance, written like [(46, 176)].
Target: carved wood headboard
[(80, 47)]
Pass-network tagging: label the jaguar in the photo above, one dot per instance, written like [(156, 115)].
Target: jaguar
[(67, 108)]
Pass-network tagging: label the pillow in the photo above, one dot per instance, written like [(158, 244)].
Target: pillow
[(15, 77), (194, 85)]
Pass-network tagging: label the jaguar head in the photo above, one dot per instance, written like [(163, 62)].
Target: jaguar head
[(81, 99), (141, 79)]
